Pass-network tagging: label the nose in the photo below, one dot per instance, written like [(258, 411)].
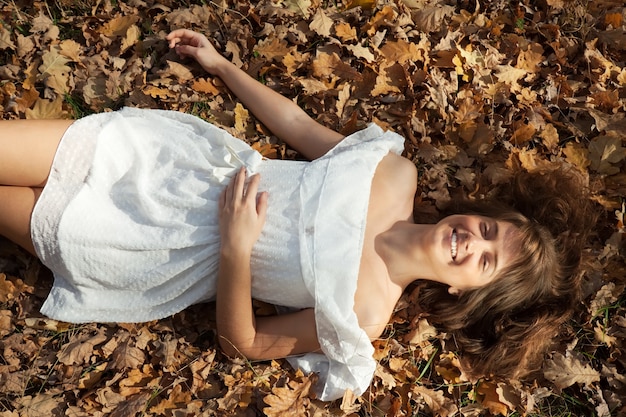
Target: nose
[(474, 243)]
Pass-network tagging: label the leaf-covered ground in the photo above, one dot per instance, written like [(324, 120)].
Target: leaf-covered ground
[(475, 87)]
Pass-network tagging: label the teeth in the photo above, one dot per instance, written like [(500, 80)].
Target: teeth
[(453, 247)]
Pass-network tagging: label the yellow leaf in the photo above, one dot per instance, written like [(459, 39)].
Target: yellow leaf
[(204, 86), (241, 118)]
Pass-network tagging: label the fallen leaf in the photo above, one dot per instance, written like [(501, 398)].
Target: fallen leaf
[(566, 371), (321, 24)]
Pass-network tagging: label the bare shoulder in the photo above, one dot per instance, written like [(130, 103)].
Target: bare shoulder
[(395, 167)]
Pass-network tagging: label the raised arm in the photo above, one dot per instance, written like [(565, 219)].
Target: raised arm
[(282, 116), (242, 214)]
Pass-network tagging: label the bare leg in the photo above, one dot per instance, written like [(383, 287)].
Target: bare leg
[(27, 148), (16, 207)]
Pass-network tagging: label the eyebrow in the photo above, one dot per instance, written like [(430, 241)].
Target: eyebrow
[(495, 256)]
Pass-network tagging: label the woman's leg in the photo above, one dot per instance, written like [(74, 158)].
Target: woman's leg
[(16, 207), (27, 148)]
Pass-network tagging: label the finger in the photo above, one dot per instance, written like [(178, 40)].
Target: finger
[(240, 183), (228, 191), (253, 186), (261, 205)]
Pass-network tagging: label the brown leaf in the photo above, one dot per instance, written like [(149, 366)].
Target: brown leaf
[(46, 109), (321, 24), (331, 66), (41, 405), (119, 25), (566, 371), (488, 396), (79, 350), (604, 151), (345, 31), (5, 39), (291, 399), (436, 401), (126, 355), (54, 71), (272, 48)]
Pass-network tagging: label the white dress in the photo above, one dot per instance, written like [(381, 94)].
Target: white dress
[(128, 224)]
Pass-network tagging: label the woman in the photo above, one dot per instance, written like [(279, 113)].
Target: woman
[(123, 208)]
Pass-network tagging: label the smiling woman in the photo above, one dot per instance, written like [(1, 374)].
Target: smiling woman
[(505, 326), (142, 213)]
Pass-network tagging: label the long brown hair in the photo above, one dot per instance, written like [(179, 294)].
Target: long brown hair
[(503, 328)]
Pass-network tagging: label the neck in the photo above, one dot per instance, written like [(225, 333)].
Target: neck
[(402, 249)]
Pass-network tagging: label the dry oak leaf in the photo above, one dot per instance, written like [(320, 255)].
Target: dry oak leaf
[(119, 25), (361, 51), (577, 155), (430, 18), (321, 23), (300, 7), (54, 70), (345, 32), (291, 399), (510, 76), (71, 49), (11, 288), (331, 66), (46, 109), (25, 46), (530, 58), (41, 405), (5, 39), (566, 371), (273, 48), (402, 51), (130, 38), (79, 350), (487, 394), (604, 151), (436, 401)]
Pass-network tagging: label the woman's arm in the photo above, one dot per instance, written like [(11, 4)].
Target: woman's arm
[(282, 116), (242, 215)]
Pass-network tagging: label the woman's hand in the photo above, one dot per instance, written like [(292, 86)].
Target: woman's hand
[(242, 213), (188, 43)]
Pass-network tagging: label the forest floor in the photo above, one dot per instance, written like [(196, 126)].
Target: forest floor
[(477, 88)]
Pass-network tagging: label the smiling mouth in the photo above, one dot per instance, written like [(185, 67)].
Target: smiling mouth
[(453, 244)]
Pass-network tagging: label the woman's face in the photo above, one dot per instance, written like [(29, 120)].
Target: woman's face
[(472, 250)]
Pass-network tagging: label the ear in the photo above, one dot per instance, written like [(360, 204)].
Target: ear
[(454, 291)]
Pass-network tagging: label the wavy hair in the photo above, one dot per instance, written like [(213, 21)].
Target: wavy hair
[(503, 328)]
